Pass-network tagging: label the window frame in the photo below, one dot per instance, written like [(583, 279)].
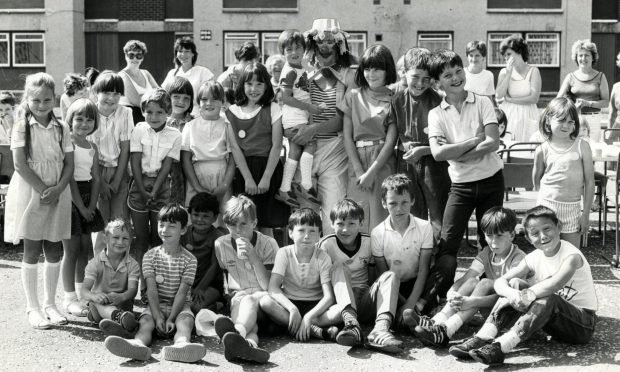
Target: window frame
[(363, 41), (526, 36), (13, 41), (8, 48), (437, 37), (261, 10), (240, 35)]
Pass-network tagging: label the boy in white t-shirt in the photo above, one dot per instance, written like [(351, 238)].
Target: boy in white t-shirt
[(479, 79), (296, 111)]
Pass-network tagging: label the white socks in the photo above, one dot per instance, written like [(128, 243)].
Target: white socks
[(453, 324), (287, 176), (488, 331), (305, 167), (29, 281), (508, 341), (443, 315), (78, 290), (51, 271)]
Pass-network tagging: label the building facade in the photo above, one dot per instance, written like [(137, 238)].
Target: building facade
[(79, 33)]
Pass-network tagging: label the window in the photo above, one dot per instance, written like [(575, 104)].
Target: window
[(524, 4), (28, 50), (232, 42), (357, 43), (543, 47), (22, 4), (259, 5), (4, 50), (269, 46), (434, 41)]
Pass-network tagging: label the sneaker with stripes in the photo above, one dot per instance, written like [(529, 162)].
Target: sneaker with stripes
[(412, 319), (435, 335)]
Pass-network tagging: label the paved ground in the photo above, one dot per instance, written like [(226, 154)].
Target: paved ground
[(79, 347)]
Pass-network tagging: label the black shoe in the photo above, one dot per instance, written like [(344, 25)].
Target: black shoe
[(92, 314), (433, 336), (224, 325), (490, 354), (237, 347), (289, 198), (412, 319), (462, 350), (351, 335)]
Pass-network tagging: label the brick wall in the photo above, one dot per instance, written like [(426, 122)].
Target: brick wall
[(142, 10)]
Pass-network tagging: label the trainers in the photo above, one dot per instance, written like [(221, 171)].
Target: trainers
[(351, 335), (184, 352), (490, 354), (127, 320), (130, 349), (462, 350), (412, 319), (237, 347), (433, 336), (287, 197), (111, 328), (93, 314), (224, 325)]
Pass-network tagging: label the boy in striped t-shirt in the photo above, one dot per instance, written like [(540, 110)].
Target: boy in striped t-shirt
[(169, 271)]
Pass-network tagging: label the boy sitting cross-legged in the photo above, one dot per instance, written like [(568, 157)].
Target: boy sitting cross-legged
[(111, 282), (247, 257), (350, 252), (300, 291), (402, 244), (469, 293), (169, 272)]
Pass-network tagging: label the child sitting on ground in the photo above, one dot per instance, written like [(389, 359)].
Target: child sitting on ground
[(300, 287), (350, 252), (402, 244), (169, 271), (470, 293), (560, 300), (247, 257), (111, 282), (200, 241)]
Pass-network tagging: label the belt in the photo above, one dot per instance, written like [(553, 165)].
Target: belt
[(368, 143), (150, 174), (107, 165)]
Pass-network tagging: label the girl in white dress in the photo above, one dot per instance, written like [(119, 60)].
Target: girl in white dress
[(38, 203)]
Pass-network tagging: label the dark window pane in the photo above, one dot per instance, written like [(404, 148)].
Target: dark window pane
[(520, 4), (245, 4), (22, 4)]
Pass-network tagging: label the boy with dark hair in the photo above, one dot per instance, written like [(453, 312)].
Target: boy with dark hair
[(409, 111), (169, 271), (559, 298), (402, 244), (200, 240), (351, 255)]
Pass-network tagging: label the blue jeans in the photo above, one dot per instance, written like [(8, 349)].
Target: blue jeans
[(553, 314), (463, 199)]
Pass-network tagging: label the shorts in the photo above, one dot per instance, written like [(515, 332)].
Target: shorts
[(304, 306), (136, 201), (568, 213), (289, 133), (235, 301), (165, 310), (210, 174)]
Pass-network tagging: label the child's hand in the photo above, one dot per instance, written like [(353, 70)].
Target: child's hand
[(303, 334), (114, 187), (87, 214), (413, 155), (263, 186), (317, 109), (169, 327), (115, 299), (160, 326), (250, 187), (106, 191), (366, 181), (294, 321), (516, 301), (100, 298), (584, 223), (466, 303), (50, 195)]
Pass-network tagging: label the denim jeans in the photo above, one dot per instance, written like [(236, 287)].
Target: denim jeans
[(553, 314), (463, 199), (431, 185)]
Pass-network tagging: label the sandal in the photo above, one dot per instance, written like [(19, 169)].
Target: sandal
[(54, 316), (384, 341), (37, 320), (76, 308)]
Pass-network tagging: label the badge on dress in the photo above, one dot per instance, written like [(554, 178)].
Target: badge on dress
[(159, 279), (98, 134), (242, 133)]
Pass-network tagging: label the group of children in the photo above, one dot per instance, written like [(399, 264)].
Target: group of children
[(445, 150)]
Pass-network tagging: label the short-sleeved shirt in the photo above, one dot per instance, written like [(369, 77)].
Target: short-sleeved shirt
[(356, 261), (410, 114), (295, 79), (446, 121), (206, 139), (169, 271), (303, 281), (106, 279), (481, 83), (155, 146), (241, 275), (113, 130), (402, 252), (203, 250), (368, 110), (484, 262)]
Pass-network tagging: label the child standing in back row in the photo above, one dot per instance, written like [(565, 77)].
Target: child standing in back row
[(38, 202), (296, 111), (563, 170)]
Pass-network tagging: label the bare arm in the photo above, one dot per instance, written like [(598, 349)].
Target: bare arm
[(588, 192), (121, 168), (188, 168), (490, 143), (349, 146), (274, 156), (451, 151), (502, 83), (240, 162), (179, 301), (539, 168), (162, 175), (613, 112), (557, 281), (380, 265), (418, 287), (563, 92), (95, 181), (386, 151)]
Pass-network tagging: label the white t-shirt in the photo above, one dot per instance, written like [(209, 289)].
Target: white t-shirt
[(297, 80), (481, 83), (155, 146)]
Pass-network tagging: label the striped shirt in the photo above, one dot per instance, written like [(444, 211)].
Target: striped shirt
[(327, 97), (112, 130), (241, 275), (356, 261), (169, 271)]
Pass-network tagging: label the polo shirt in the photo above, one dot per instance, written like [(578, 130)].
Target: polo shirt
[(303, 281), (402, 252), (109, 280), (446, 121), (155, 146), (113, 130), (356, 261)]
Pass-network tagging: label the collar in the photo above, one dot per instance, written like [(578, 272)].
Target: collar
[(412, 224), (33, 121), (358, 244), (158, 130), (112, 114), (471, 98), (383, 94), (103, 257)]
